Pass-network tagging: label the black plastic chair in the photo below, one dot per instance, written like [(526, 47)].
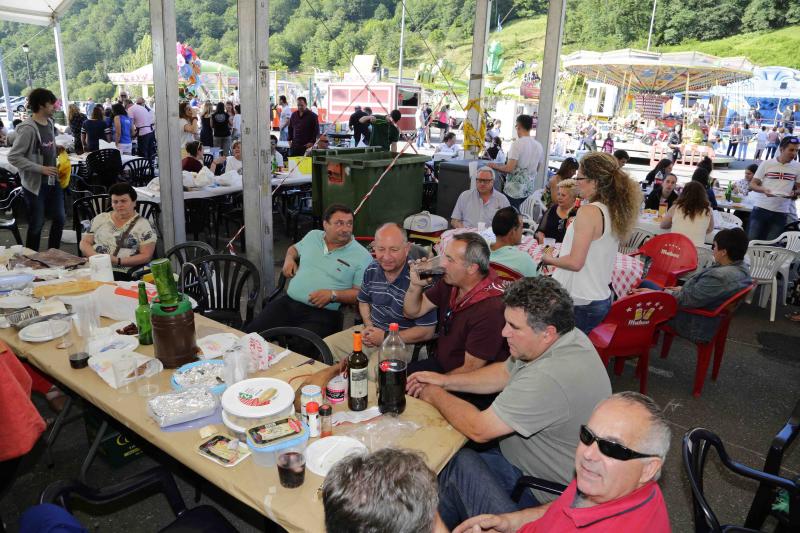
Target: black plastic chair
[(218, 282), (765, 495), (9, 203), (8, 182), (150, 211), (138, 172), (287, 337), (200, 518), (530, 482), (229, 210), (696, 444), (104, 167), (181, 253), (199, 215), (207, 160), (87, 208)]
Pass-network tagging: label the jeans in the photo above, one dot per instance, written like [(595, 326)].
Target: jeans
[(731, 152), (420, 137), (742, 151), (766, 224), (588, 316), (49, 202), (284, 134), (283, 311), (147, 145), (771, 149), (515, 202), (224, 143), (476, 483)]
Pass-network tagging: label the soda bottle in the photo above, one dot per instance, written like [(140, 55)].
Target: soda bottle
[(392, 373), (143, 317), (357, 364)]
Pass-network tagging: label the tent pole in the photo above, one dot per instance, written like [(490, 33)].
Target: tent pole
[(165, 87), (62, 77), (4, 84), (549, 84), (256, 129), (480, 32)]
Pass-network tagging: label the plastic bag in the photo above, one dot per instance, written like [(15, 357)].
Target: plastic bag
[(382, 432)]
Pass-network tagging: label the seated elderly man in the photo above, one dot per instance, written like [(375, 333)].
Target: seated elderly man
[(548, 387), (356, 498), (122, 233), (469, 304), (710, 287), (331, 268), (617, 465), (380, 300), (475, 206), (507, 228)]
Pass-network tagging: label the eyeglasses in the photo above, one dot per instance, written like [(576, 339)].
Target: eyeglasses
[(342, 223), (481, 180), (611, 449)]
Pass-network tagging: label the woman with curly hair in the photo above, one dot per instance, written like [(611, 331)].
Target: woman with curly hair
[(589, 250), (691, 215)]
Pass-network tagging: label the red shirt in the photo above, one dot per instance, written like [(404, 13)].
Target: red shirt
[(22, 423), (190, 164), (641, 510)]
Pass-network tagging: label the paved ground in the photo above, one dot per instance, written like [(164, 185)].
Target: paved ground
[(749, 403)]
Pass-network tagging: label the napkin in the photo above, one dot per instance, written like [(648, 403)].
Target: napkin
[(103, 365)]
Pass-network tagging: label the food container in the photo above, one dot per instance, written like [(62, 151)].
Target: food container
[(336, 391), (238, 425), (309, 393), (179, 407), (251, 402), (200, 374), (266, 453)]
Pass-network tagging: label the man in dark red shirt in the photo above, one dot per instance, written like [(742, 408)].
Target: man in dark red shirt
[(469, 302), (303, 128), (617, 463)]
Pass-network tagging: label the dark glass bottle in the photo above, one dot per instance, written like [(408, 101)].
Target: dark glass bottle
[(143, 322), (357, 363)]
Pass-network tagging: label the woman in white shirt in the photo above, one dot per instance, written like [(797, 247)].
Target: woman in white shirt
[(691, 214), (589, 251)]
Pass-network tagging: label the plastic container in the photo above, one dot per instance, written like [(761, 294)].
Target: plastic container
[(216, 389), (239, 425), (267, 456), (351, 176), (319, 171)]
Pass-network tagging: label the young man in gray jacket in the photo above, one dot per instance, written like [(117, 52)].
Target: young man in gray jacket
[(34, 154)]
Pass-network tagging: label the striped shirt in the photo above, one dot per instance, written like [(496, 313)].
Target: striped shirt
[(386, 299), (779, 178)]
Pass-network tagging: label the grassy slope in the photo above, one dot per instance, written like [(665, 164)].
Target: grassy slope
[(525, 39)]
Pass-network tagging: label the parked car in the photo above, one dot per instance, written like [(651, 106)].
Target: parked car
[(17, 103)]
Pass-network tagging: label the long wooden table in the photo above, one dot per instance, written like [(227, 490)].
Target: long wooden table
[(295, 509)]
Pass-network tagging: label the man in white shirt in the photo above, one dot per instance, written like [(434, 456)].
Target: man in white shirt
[(522, 162), (419, 119), (143, 121), (778, 180), (286, 114), (478, 206)]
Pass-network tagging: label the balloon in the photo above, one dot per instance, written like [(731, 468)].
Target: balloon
[(181, 61)]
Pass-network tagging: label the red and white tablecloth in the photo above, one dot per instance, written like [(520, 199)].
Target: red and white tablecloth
[(627, 270)]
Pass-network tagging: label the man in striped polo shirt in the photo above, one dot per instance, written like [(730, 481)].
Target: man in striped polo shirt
[(778, 179)]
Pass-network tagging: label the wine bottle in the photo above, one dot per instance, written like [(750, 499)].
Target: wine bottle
[(357, 364)]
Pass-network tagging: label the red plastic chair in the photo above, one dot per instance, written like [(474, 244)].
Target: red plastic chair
[(366, 242), (505, 273), (629, 328), (671, 254), (725, 310)]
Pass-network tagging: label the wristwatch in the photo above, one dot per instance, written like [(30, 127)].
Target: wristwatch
[(333, 296)]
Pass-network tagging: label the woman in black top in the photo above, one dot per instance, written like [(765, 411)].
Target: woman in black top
[(221, 123), (702, 175), (664, 192), (555, 220), (660, 171), (206, 131), (94, 129)]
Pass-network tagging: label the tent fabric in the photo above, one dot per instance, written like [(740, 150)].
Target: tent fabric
[(39, 12), (658, 73)]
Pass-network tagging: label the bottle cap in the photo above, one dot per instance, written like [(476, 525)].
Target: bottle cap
[(312, 407), (325, 410), (394, 326), (356, 341)]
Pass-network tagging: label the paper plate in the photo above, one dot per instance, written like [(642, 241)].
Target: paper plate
[(242, 399), (323, 454), (113, 343), (17, 301), (43, 332)]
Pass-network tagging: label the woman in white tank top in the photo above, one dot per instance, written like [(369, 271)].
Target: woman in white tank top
[(691, 214), (588, 253)]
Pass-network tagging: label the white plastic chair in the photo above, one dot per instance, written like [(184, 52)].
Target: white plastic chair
[(636, 239), (533, 208), (792, 240), (765, 262)]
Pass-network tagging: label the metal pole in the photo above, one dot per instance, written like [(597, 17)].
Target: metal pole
[(4, 84), (62, 77), (28, 64), (476, 77), (652, 21), (549, 84), (402, 39), (256, 129), (168, 126)]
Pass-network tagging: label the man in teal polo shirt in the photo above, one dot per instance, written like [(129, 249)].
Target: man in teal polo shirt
[(331, 267), (507, 229)]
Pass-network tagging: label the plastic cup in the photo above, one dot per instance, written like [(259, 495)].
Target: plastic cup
[(291, 468), (430, 268), (147, 385)]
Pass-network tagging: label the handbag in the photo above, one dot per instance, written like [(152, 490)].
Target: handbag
[(124, 236)]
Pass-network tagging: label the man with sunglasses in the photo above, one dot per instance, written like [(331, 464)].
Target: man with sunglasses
[(617, 464), (478, 206), (548, 387), (778, 180)]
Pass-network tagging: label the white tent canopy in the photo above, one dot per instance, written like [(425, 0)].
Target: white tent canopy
[(39, 12)]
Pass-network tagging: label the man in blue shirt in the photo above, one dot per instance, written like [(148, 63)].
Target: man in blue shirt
[(331, 268), (380, 300)]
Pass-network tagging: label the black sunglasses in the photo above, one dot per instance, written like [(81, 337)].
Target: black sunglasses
[(447, 319), (609, 448)]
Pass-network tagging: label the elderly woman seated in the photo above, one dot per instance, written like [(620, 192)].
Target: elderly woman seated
[(122, 233), (556, 219)]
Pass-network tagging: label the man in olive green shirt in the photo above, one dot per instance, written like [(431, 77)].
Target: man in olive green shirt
[(384, 129)]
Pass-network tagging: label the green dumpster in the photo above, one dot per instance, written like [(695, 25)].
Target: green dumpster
[(319, 170), (351, 176)]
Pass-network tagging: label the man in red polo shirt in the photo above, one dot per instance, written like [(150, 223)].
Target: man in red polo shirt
[(617, 464)]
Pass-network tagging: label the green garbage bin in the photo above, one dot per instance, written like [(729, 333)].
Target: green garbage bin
[(351, 176), (319, 170)]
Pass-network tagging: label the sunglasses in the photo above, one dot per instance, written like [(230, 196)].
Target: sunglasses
[(792, 140), (609, 448), (448, 316)]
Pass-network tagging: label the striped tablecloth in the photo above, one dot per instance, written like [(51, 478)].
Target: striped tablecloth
[(625, 276)]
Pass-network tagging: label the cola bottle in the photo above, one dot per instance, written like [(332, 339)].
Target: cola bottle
[(392, 366)]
